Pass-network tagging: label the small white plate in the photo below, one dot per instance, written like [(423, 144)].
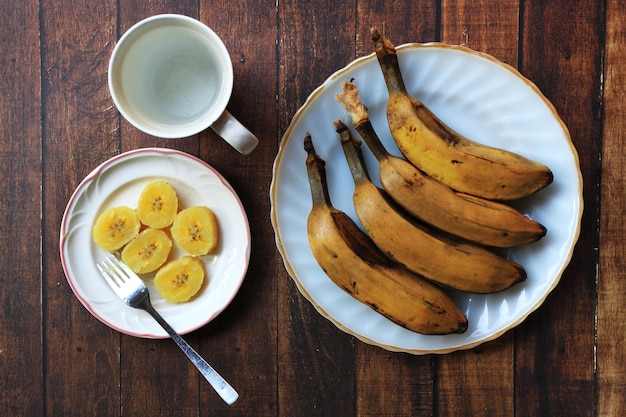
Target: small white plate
[(119, 181), (481, 98)]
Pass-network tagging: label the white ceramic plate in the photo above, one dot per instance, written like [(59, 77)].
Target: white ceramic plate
[(119, 181), (481, 98)]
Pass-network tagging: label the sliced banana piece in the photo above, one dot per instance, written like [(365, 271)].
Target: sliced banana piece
[(115, 227), (157, 205), (195, 230), (181, 279), (148, 251)]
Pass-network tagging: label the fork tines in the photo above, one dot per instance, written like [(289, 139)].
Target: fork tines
[(118, 275)]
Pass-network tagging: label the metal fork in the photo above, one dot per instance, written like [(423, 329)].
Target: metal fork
[(131, 289)]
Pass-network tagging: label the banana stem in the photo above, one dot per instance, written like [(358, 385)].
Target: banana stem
[(316, 170), (352, 150), (388, 60), (366, 130), (351, 101)]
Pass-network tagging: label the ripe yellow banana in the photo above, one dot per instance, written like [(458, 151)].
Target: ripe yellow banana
[(353, 262), (472, 218), (453, 263), (464, 165)]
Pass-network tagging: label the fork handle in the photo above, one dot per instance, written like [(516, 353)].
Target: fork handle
[(218, 383)]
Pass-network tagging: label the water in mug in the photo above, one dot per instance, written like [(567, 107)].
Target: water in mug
[(175, 76)]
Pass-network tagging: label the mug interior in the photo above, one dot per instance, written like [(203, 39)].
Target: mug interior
[(170, 76)]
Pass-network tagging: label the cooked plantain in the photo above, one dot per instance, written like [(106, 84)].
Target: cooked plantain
[(115, 227)]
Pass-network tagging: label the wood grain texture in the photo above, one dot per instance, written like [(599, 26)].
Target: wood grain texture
[(21, 350), (59, 122), (487, 26), (611, 274), (555, 349), (393, 384), (401, 22), (76, 133)]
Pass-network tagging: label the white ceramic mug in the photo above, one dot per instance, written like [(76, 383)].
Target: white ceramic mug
[(171, 76)]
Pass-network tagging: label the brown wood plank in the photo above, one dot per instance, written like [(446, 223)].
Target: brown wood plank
[(284, 358), (401, 22), (77, 126), (611, 359), (469, 381), (479, 381), (243, 341), (487, 26), (394, 384), (20, 212), (316, 360), (562, 54)]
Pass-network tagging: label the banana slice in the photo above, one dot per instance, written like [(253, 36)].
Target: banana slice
[(157, 205), (148, 251), (195, 230), (179, 280), (115, 227)]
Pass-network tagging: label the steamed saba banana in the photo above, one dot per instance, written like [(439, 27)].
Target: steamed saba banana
[(148, 251), (145, 239), (195, 230), (157, 205), (115, 227), (451, 262), (472, 218), (462, 164), (181, 279), (355, 264)]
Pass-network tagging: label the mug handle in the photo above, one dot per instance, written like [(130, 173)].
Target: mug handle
[(236, 134)]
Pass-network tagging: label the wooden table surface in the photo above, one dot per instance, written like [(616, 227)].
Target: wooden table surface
[(59, 122)]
